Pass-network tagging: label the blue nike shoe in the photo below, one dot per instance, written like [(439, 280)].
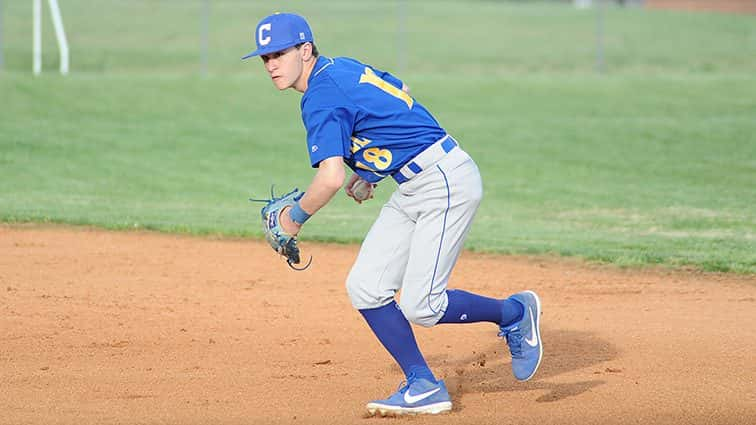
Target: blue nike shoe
[(524, 337), (418, 397)]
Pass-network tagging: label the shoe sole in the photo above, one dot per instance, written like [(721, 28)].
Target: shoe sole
[(538, 333), (430, 409)]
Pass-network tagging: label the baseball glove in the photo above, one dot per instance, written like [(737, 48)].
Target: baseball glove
[(281, 242)]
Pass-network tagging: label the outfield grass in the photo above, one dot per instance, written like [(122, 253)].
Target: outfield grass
[(654, 163), (472, 37)]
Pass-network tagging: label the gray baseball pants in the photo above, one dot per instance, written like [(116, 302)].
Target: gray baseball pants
[(416, 240)]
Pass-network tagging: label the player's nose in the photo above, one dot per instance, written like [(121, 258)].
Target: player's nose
[(271, 65)]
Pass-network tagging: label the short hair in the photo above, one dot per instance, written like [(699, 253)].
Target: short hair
[(315, 52)]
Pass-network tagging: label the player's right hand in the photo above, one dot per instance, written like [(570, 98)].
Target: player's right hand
[(348, 187)]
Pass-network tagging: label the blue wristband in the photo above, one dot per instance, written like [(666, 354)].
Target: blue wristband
[(298, 215)]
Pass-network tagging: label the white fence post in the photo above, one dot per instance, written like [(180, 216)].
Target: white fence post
[(37, 49), (60, 34)]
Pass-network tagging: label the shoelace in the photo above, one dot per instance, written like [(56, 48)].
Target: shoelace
[(404, 385), (514, 340)]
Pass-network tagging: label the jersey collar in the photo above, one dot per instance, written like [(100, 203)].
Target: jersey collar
[(321, 64)]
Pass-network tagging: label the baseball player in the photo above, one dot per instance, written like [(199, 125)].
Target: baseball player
[(363, 117)]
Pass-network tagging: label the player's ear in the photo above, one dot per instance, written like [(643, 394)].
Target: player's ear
[(306, 51)]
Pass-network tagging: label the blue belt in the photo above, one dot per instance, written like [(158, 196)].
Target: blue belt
[(428, 157)]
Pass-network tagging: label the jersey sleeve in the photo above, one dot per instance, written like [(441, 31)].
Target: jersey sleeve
[(328, 117)]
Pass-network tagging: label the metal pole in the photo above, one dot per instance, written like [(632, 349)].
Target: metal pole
[(204, 34), (600, 63), (37, 42), (402, 37)]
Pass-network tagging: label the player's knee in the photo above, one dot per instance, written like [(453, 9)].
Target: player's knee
[(360, 296), (420, 315), (422, 318), (353, 290)]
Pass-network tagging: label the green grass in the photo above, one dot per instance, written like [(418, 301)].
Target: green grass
[(654, 163)]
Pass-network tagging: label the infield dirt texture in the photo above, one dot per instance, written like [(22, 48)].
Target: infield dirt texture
[(142, 328)]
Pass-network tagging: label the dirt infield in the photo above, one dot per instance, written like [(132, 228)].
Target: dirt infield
[(120, 328)]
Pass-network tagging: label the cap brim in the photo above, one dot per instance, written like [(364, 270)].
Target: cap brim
[(253, 54), (272, 49), (268, 50)]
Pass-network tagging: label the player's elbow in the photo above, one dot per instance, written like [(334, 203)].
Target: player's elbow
[(337, 179), (331, 173), (334, 185), (334, 180)]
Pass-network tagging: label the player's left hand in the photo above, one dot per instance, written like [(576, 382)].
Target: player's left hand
[(289, 226), (280, 231)]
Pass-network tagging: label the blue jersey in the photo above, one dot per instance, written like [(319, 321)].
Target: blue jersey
[(357, 112)]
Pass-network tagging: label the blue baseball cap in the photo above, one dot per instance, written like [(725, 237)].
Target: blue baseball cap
[(279, 32)]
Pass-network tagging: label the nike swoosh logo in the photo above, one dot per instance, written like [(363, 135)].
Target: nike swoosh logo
[(410, 399), (533, 340)]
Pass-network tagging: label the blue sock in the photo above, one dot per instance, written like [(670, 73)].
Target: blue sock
[(466, 307), (395, 333)]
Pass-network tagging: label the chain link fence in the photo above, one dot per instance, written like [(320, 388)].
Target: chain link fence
[(476, 37)]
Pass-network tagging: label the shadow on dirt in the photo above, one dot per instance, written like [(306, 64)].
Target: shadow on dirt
[(489, 370)]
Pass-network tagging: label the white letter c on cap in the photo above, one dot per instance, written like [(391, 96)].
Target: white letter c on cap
[(263, 40)]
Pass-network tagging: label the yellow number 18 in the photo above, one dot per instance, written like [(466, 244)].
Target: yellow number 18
[(380, 158)]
